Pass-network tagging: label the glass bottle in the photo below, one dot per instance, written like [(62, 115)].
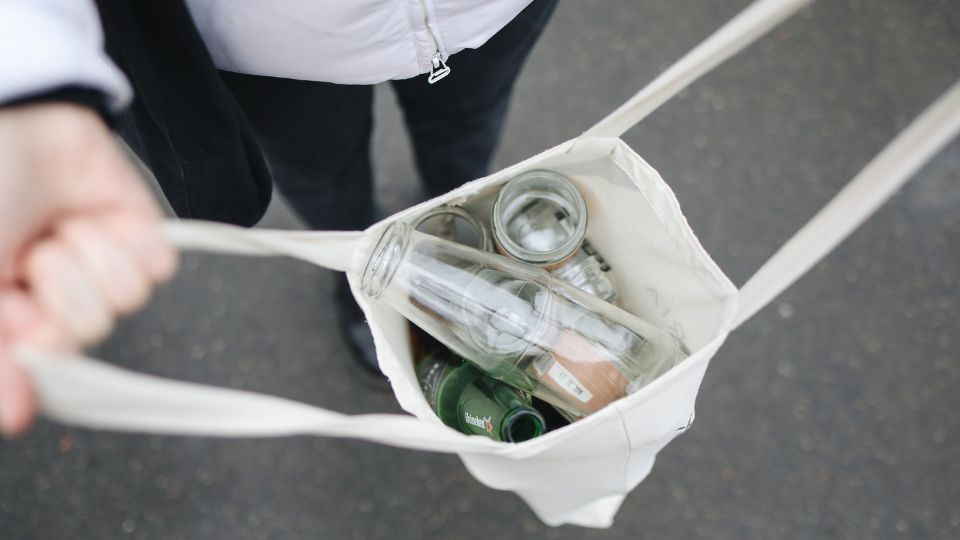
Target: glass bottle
[(466, 399), (516, 322)]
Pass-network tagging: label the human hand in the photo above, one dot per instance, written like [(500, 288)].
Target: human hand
[(80, 240)]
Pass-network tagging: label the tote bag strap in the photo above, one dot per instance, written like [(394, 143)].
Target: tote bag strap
[(868, 190), (86, 392), (748, 26), (329, 249)]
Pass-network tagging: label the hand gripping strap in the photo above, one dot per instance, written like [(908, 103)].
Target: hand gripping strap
[(896, 164), (86, 392)]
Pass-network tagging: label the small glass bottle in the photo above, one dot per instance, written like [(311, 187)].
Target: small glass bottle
[(466, 399), (516, 322)]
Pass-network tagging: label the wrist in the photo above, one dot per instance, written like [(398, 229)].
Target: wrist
[(78, 95)]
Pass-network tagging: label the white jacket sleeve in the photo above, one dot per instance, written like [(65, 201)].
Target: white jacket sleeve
[(45, 44)]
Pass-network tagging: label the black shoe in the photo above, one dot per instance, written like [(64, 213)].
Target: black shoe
[(356, 331)]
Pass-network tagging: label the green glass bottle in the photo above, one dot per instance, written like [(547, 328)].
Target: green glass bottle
[(468, 400)]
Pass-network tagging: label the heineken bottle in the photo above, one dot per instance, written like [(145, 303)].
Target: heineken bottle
[(468, 400)]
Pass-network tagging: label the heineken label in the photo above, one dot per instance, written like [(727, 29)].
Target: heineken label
[(485, 423)]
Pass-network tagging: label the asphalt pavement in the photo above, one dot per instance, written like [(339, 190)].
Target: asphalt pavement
[(832, 414)]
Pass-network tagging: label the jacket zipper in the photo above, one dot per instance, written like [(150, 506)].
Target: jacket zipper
[(438, 68)]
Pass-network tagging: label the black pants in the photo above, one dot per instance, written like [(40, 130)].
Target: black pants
[(316, 136), (217, 142)]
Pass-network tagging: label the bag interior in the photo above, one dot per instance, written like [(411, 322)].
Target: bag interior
[(662, 272)]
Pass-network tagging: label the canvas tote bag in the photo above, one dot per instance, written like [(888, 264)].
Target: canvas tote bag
[(581, 473)]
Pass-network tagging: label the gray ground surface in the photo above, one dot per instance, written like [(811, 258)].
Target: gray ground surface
[(832, 414)]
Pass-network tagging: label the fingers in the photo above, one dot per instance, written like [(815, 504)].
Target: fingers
[(93, 269), (118, 277), (17, 402), (67, 292), (23, 319), (143, 238), (21, 316)]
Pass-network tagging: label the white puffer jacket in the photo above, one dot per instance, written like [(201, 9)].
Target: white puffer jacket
[(50, 43)]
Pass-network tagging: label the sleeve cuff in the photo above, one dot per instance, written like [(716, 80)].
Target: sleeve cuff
[(92, 98), (51, 44)]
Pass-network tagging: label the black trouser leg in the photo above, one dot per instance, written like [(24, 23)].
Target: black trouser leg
[(316, 137), (456, 123)]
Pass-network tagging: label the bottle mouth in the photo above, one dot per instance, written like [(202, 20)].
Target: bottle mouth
[(384, 260), (523, 425), (442, 222), (539, 217)]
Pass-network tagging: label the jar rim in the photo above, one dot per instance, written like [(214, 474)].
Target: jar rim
[(483, 234), (515, 187)]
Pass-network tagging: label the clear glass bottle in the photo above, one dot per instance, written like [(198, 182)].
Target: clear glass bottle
[(516, 322)]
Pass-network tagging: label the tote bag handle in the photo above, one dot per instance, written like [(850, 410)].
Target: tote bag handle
[(329, 249), (82, 391), (854, 204), (85, 392), (859, 199), (748, 26)]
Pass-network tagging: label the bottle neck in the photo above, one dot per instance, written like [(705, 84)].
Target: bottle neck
[(384, 259), (521, 424), (492, 408)]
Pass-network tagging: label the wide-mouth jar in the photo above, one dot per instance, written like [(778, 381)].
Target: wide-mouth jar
[(539, 217)]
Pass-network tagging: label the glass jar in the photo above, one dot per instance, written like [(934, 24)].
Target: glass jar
[(455, 224), (516, 322), (539, 217)]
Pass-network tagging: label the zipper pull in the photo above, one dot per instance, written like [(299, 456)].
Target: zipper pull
[(438, 68)]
